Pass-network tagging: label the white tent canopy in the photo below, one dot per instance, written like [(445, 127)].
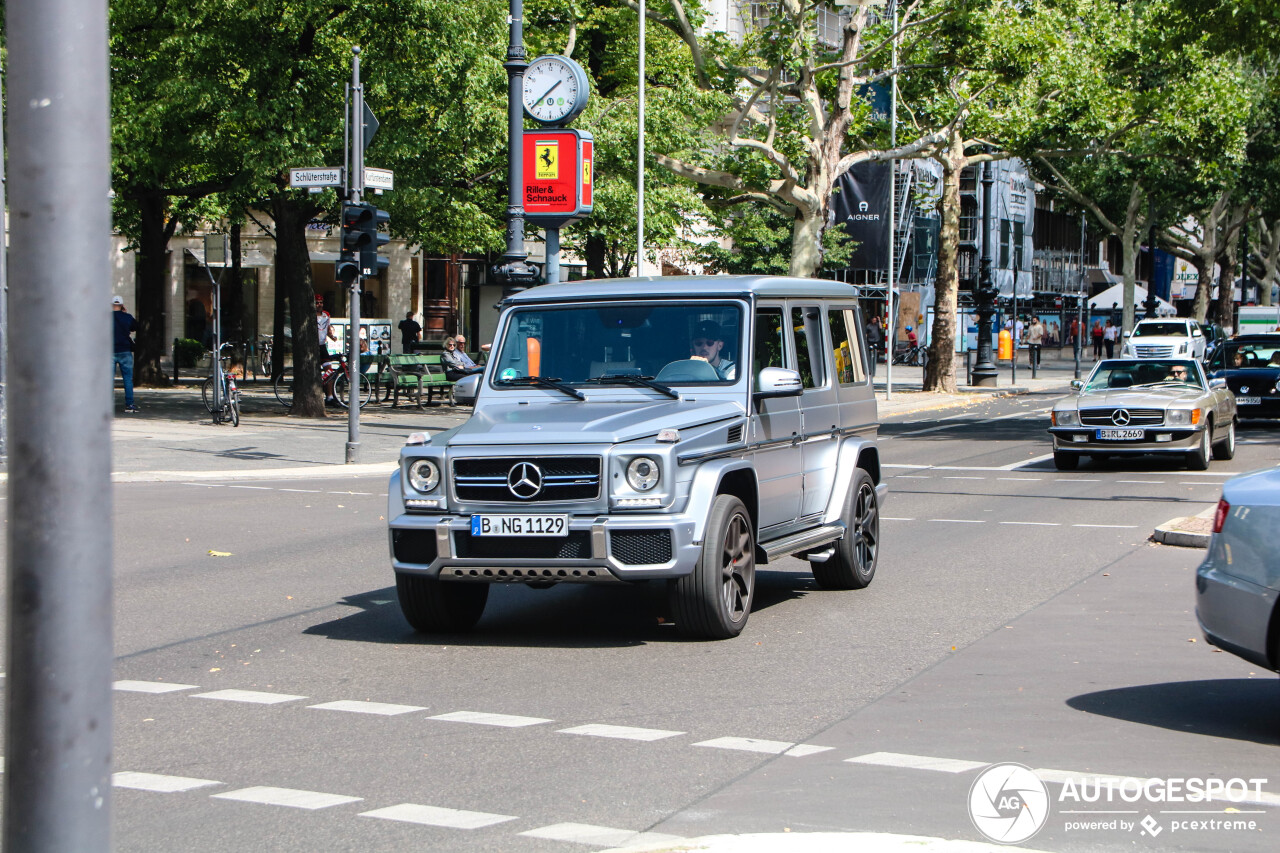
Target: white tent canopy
[(1115, 296)]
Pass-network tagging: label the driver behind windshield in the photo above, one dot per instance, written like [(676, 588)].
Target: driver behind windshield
[(706, 345), (1177, 373)]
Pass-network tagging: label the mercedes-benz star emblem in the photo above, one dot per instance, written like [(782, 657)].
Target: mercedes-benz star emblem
[(524, 480), (1120, 417)]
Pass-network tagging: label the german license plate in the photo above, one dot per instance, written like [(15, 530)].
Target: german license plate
[(1119, 434), (1248, 401), (520, 525)]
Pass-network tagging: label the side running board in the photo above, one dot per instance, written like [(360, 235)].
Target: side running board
[(804, 541)]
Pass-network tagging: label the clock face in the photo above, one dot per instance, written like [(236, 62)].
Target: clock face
[(555, 89)]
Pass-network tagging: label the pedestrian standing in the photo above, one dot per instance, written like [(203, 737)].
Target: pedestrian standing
[(122, 326), (874, 337), (1035, 338), (1098, 334), (410, 331), (1109, 337), (1075, 331)]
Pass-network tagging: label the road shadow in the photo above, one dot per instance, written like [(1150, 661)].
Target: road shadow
[(564, 616), (1243, 709)]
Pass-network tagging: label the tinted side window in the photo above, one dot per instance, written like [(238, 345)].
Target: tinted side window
[(768, 350), (806, 324), (844, 345)]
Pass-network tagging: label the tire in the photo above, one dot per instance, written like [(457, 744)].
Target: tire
[(206, 394), (283, 387), (341, 390), (1198, 459), (1226, 449), (853, 564), (1066, 461), (433, 606), (923, 358), (714, 601), (233, 405)]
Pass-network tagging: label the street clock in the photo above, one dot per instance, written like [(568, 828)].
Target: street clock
[(555, 90)]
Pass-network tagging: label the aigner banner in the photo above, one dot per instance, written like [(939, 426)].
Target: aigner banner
[(862, 207)]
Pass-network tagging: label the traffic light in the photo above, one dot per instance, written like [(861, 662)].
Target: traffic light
[(360, 242), (370, 262)]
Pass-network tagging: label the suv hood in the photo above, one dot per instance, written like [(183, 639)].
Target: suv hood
[(578, 422)]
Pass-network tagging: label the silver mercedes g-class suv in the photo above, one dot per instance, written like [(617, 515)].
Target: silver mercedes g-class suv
[(680, 430)]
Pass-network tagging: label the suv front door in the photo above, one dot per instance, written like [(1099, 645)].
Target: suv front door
[(819, 406), (775, 427)]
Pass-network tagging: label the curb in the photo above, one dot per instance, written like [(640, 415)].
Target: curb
[(1188, 532)]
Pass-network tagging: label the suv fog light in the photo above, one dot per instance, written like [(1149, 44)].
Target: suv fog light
[(424, 476), (642, 474)]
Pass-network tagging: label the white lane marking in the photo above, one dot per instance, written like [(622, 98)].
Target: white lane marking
[(253, 696), (308, 491), (957, 477), (1077, 480), (916, 762), (364, 494), (905, 465), (621, 732), (1146, 482), (961, 520), (910, 477), (1035, 523), (894, 518), (1013, 466), (435, 816), (1022, 479), (158, 783), (1108, 526), (255, 488), (152, 686), (384, 709), (748, 744), (480, 718), (934, 428), (801, 750), (1213, 485), (206, 485), (291, 797), (599, 836)]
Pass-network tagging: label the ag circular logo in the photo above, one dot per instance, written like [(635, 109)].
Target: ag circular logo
[(1008, 803)]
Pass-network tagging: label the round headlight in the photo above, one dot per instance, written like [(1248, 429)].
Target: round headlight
[(1179, 417), (642, 474), (424, 476)]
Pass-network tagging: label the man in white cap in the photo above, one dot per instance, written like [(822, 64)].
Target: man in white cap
[(123, 325)]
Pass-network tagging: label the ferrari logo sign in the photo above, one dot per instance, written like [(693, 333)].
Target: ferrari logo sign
[(547, 160)]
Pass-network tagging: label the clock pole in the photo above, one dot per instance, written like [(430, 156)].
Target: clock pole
[(513, 272)]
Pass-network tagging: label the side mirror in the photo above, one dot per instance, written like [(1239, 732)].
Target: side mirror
[(778, 382), (1128, 334), (1077, 384), (1217, 383), (466, 389)]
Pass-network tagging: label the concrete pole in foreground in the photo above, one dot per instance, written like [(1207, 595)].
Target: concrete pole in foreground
[(57, 750)]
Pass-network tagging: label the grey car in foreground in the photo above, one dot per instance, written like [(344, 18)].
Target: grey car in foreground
[(668, 430), (1238, 584), (1131, 407)]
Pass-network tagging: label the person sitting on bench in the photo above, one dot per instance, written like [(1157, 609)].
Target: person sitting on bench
[(457, 363)]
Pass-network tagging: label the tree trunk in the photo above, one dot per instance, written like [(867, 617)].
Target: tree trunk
[(233, 293), (940, 374), (806, 243), (1204, 284), (595, 257), (293, 276), (152, 280), (1226, 286), (1130, 238)]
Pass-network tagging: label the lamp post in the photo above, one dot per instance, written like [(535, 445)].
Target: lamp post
[(1150, 304), (514, 272), (985, 372)]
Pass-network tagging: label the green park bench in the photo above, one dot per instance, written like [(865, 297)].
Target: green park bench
[(413, 374)]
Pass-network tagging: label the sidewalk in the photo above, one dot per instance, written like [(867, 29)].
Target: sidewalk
[(173, 437)]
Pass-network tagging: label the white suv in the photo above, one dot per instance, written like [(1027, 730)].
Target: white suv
[(1168, 338)]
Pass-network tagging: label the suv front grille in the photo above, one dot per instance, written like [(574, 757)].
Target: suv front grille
[(1137, 417), (1153, 351), (563, 478), (640, 547)]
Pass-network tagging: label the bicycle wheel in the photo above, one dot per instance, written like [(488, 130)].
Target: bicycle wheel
[(233, 405), (206, 394), (341, 389), (283, 387), (923, 358)]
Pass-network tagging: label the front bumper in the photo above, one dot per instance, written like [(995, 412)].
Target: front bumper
[(1269, 407), (597, 548), (1075, 439)]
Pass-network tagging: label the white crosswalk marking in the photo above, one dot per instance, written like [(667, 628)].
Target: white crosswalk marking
[(435, 816), (356, 707), (748, 744), (291, 797), (621, 732), (253, 696), (158, 783), (509, 721), (152, 687), (916, 762), (585, 833)]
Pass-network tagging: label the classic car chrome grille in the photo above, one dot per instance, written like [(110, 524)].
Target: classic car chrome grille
[(1107, 417), (1152, 351), (561, 478)]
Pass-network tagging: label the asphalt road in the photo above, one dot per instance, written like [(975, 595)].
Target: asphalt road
[(1018, 614)]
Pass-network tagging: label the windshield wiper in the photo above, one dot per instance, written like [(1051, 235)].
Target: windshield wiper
[(632, 379), (545, 383)]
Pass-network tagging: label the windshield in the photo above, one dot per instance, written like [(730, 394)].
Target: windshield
[(1146, 330), (1146, 373), (1241, 355), (673, 343)]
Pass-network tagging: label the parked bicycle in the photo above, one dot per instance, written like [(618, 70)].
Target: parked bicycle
[(227, 405), (334, 380), (264, 355), (912, 356)]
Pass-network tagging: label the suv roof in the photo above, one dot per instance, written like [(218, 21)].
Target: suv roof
[(686, 285)]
